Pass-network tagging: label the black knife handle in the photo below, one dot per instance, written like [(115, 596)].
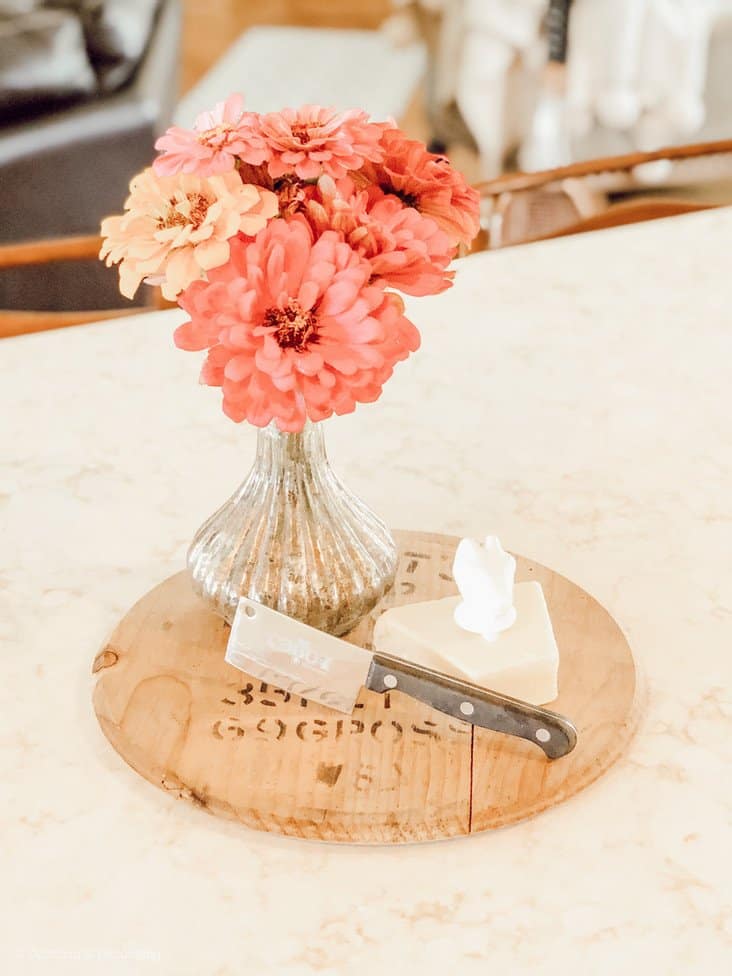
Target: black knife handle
[(551, 732)]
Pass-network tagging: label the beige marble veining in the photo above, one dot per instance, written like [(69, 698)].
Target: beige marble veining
[(573, 397)]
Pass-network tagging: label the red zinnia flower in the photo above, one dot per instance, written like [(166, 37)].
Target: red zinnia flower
[(426, 182)]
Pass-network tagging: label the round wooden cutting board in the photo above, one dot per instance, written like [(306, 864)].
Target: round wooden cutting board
[(393, 771)]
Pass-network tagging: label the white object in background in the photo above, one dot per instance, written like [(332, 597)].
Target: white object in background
[(547, 144), (522, 662), (484, 575), (687, 110), (637, 76), (482, 94), (500, 62), (618, 102), (639, 67), (679, 36)]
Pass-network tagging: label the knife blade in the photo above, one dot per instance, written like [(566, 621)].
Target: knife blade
[(304, 661)]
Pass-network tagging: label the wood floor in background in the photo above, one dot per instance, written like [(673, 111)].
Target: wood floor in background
[(210, 26)]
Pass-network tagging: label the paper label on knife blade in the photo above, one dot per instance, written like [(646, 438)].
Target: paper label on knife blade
[(296, 658)]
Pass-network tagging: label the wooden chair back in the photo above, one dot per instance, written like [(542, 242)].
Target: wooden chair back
[(13, 323), (522, 207)]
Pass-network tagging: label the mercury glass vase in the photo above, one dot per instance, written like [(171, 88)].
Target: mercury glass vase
[(294, 538)]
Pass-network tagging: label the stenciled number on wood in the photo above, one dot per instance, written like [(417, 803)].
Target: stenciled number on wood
[(275, 729)]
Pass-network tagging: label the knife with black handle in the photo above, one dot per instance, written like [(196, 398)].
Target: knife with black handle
[(487, 709)]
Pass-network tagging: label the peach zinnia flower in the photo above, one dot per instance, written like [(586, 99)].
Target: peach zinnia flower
[(407, 250), (218, 139), (426, 182), (178, 227), (313, 140), (294, 328)]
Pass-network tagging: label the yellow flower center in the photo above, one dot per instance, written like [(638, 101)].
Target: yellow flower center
[(175, 217), (210, 135), (294, 327), (199, 208)]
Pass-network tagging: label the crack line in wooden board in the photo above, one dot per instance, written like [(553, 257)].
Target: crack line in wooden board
[(470, 802)]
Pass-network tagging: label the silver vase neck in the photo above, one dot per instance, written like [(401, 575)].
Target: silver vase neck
[(277, 449), (303, 452)]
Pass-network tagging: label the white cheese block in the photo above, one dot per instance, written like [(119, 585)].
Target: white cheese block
[(522, 662)]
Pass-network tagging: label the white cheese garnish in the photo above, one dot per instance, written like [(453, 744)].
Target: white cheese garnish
[(484, 574), (522, 661)]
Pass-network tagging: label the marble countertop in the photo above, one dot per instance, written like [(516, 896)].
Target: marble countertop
[(574, 397)]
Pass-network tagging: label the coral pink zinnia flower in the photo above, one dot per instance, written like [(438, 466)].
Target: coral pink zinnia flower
[(407, 250), (218, 139), (294, 327), (178, 227), (426, 182), (313, 140)]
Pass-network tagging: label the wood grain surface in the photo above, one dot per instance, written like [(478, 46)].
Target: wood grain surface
[(393, 771)]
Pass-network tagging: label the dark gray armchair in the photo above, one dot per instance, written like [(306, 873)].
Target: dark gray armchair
[(62, 171)]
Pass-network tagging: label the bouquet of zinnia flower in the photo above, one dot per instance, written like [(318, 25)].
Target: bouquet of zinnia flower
[(282, 236)]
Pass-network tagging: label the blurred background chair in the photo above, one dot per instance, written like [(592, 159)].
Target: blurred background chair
[(44, 257), (85, 88), (596, 194)]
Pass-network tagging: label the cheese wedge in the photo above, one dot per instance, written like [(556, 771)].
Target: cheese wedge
[(522, 662)]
